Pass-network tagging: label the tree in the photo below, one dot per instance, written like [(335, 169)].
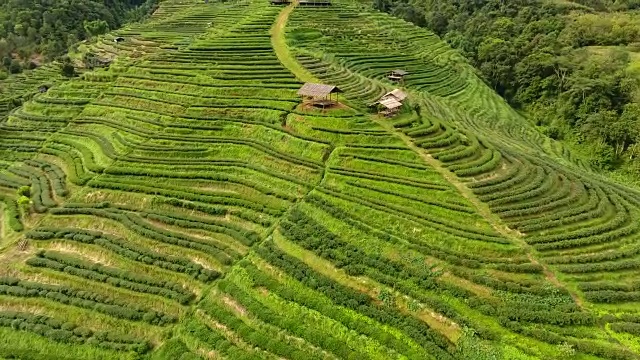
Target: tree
[(15, 67), (68, 70), (25, 204), (96, 27)]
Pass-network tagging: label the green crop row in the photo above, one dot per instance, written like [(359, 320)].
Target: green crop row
[(525, 180), (613, 254), (372, 175), (325, 306), (213, 337), (621, 218), (178, 194), (444, 205), (128, 250), (481, 165), (630, 328), (538, 186), (578, 345), (409, 164), (260, 219), (255, 336), (13, 213), (308, 233), (558, 200), (138, 225), (612, 296), (559, 220), (54, 173), (463, 259), (423, 218), (78, 174), (458, 153), (110, 275), (610, 236), (81, 298), (205, 173), (67, 332)]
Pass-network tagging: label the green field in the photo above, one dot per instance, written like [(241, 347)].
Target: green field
[(182, 204)]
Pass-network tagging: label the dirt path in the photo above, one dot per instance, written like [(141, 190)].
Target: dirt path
[(279, 43), (482, 209)]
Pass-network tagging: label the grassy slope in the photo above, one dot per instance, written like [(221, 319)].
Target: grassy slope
[(298, 233)]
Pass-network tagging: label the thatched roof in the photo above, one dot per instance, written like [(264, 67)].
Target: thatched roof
[(317, 90), (390, 103), (396, 94)]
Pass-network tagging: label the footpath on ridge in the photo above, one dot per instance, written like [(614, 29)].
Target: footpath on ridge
[(281, 49)]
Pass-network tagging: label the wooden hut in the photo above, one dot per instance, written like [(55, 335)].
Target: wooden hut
[(390, 106), (390, 103), (118, 39), (397, 75), (319, 95), (396, 94), (280, 2)]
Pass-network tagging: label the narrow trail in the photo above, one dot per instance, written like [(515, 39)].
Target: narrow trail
[(279, 44), (482, 209)]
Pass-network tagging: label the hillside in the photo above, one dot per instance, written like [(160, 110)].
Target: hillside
[(34, 30), (183, 204), (571, 66)]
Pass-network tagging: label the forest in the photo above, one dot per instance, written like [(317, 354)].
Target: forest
[(35, 31), (570, 66)]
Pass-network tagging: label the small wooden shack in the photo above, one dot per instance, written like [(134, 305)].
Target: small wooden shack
[(390, 103), (390, 106), (280, 2), (396, 94), (319, 95), (118, 39), (397, 75)]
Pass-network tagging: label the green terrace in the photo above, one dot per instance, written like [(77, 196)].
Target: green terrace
[(186, 204)]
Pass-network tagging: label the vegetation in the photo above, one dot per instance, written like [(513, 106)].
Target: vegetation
[(571, 66), (182, 203), (34, 28)]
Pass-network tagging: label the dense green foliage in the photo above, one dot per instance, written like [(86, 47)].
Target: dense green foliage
[(33, 28)]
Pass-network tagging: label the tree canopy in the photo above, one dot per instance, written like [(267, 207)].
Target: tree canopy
[(31, 29)]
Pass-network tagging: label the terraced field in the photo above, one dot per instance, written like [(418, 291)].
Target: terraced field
[(183, 204)]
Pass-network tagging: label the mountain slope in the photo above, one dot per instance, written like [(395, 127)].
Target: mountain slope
[(184, 204)]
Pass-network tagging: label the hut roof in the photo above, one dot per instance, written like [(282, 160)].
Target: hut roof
[(317, 90), (118, 39), (397, 94), (390, 103), (399, 72)]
